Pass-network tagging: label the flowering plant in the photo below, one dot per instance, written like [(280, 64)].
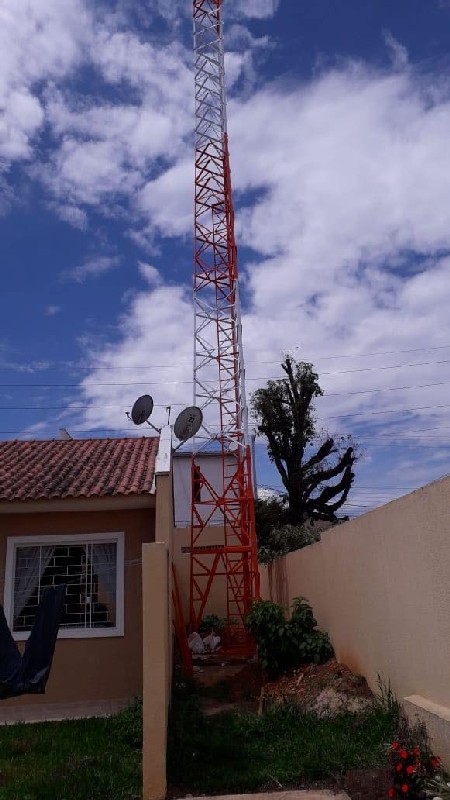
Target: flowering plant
[(411, 767)]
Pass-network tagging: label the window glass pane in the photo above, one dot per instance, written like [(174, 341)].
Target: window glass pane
[(89, 570)]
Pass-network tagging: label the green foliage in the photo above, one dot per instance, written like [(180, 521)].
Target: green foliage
[(285, 644), (440, 786), (211, 622), (269, 514), (285, 540), (267, 624), (386, 698), (313, 645), (316, 472)]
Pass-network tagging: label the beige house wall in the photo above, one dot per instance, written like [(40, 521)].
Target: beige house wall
[(379, 585), (90, 675)]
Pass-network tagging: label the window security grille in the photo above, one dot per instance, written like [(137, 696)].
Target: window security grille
[(90, 572)]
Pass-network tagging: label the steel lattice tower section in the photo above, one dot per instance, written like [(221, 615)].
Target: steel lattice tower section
[(227, 561)]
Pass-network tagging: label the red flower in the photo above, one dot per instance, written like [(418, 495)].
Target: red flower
[(391, 792), (394, 747), (416, 751), (435, 761), (403, 754), (399, 767), (405, 788), (410, 770)]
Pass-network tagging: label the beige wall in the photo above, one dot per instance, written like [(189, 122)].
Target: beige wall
[(158, 628), (156, 668), (92, 670), (380, 586)]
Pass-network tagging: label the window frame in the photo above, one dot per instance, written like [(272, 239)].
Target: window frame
[(114, 537)]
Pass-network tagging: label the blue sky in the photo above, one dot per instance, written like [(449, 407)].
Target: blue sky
[(339, 120)]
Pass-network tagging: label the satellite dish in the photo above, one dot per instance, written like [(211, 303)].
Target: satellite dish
[(142, 409), (233, 447), (188, 423)]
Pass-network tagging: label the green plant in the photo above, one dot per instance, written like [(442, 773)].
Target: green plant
[(266, 622), (386, 699), (285, 644), (211, 622), (440, 787), (312, 645), (285, 539)]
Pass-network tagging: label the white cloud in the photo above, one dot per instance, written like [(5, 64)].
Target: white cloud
[(166, 202), (343, 193), (50, 311), (348, 220), (151, 274), (70, 213), (103, 150), (38, 41), (398, 52), (91, 268), (255, 9), (173, 11), (156, 331)]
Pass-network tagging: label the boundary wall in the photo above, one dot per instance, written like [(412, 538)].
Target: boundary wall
[(380, 586)]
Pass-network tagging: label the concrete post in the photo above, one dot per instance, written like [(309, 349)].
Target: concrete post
[(156, 668)]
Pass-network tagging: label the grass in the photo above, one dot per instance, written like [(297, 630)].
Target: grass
[(100, 759), (242, 752), (96, 759)]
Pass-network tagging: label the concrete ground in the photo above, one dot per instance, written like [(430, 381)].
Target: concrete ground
[(298, 795)]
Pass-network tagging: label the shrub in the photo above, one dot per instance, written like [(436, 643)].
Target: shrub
[(286, 644), (211, 622), (285, 539)]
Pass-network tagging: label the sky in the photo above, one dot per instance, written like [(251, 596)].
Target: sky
[(339, 127)]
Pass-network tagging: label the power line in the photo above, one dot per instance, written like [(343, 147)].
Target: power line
[(320, 419), (71, 365), (387, 411), (162, 405)]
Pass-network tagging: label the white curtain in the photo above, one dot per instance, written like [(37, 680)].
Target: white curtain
[(31, 563), (104, 565)]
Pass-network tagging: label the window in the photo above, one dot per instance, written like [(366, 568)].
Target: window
[(91, 566)]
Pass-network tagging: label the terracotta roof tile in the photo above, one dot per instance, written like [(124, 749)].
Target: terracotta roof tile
[(35, 470)]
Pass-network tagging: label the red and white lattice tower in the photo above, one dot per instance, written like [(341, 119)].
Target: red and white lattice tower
[(223, 538)]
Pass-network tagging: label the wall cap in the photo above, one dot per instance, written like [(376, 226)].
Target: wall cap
[(427, 705)]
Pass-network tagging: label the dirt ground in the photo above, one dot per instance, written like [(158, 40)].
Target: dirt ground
[(325, 689)]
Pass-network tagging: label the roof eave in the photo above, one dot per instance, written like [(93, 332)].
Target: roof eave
[(58, 504)]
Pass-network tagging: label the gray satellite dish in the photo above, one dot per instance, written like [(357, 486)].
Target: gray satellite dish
[(188, 423), (142, 409)]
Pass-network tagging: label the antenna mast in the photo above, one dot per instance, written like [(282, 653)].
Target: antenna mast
[(223, 538)]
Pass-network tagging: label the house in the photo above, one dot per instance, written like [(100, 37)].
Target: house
[(78, 512)]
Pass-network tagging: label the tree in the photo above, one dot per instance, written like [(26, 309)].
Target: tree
[(316, 470)]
